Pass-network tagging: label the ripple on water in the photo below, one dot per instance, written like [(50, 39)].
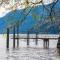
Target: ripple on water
[(32, 54)]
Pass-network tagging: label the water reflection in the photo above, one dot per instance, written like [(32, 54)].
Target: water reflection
[(32, 53), (58, 50), (12, 55)]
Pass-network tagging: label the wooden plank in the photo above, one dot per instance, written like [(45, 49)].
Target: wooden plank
[(35, 38)]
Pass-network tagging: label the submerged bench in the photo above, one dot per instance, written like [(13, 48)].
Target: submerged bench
[(45, 39)]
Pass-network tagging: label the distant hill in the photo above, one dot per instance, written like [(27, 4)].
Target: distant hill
[(38, 20)]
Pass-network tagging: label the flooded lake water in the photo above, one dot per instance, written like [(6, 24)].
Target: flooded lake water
[(31, 52)]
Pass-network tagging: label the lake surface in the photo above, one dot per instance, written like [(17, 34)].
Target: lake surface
[(32, 52)]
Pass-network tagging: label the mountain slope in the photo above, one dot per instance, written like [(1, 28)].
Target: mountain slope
[(36, 21)]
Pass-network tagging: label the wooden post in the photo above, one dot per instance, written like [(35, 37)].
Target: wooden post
[(58, 44), (27, 38), (36, 39), (46, 43), (17, 36), (58, 51), (43, 43), (7, 38), (14, 37)]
